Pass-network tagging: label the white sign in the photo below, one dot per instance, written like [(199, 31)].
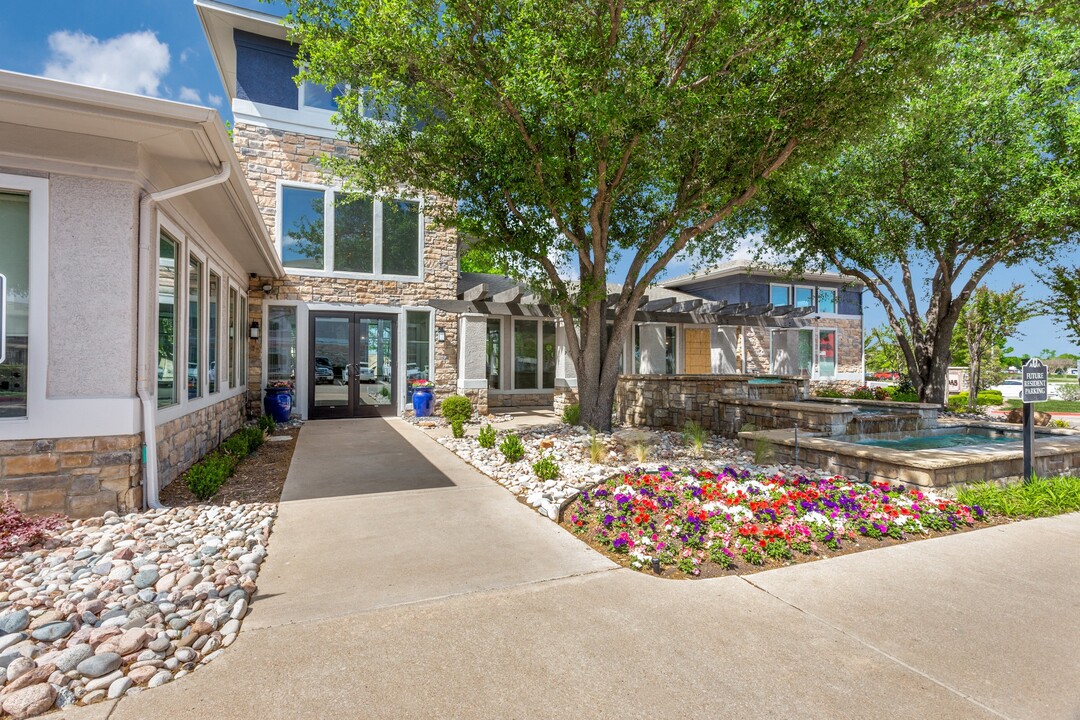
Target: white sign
[(1035, 381)]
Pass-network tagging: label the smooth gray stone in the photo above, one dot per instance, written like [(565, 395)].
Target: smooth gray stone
[(14, 622), (115, 612), (146, 577), (99, 665), (51, 632)]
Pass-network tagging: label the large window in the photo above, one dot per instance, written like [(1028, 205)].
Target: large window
[(15, 266), (212, 331), (166, 369), (534, 354), (417, 347), (313, 95), (281, 343), (670, 345), (232, 336), (241, 361), (380, 238), (494, 353), (194, 382), (780, 295), (792, 352), (826, 353), (826, 299), (804, 296)]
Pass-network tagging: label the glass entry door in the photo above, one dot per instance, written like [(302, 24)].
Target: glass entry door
[(353, 369)]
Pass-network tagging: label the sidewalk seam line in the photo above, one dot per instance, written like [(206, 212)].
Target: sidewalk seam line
[(435, 599), (878, 650)]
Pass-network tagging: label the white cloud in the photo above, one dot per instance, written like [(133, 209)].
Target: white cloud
[(215, 100), (185, 54), (190, 95), (134, 62)]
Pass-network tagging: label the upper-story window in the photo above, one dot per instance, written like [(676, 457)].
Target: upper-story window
[(780, 295), (313, 95), (804, 296), (826, 300), (322, 231)]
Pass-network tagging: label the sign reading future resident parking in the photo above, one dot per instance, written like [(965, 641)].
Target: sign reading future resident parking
[(1034, 376)]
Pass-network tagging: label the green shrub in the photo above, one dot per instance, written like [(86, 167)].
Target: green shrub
[(457, 427), (1039, 498), (267, 424), (863, 393), (236, 445), (829, 393), (511, 448), (486, 438), (546, 468), (905, 396), (571, 414), (207, 476), (1059, 423), (255, 437), (985, 397), (1069, 392), (457, 407)]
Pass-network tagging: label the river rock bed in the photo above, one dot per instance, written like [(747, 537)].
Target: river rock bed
[(569, 447), (112, 605)]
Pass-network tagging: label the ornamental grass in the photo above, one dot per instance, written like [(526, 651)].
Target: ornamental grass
[(692, 521)]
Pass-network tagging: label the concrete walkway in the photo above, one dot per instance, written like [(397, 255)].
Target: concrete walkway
[(402, 584)]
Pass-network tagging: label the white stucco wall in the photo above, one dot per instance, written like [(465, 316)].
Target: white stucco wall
[(472, 352), (93, 254)]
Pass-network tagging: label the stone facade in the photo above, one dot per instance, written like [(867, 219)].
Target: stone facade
[(756, 344), (564, 396), (498, 399), (183, 441), (77, 476), (269, 156)]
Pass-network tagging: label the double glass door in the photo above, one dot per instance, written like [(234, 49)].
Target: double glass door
[(353, 370)]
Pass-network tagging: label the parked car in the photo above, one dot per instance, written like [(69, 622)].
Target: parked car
[(1010, 389), (887, 376), (364, 373), (324, 371), (412, 372)]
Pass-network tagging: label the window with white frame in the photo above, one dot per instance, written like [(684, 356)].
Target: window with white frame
[(233, 309), (322, 230), (804, 296), (194, 364), (780, 295), (494, 352), (213, 331), (671, 334), (826, 300), (241, 361), (167, 317), (15, 266), (826, 356), (317, 97), (534, 354)]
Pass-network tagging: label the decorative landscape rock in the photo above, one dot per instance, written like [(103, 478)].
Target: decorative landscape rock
[(113, 605)]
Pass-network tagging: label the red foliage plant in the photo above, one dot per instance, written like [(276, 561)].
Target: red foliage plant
[(18, 531)]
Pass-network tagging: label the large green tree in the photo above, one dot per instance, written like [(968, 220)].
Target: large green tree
[(602, 131), (1064, 300), (977, 168)]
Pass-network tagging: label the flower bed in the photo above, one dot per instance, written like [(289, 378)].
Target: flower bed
[(701, 522)]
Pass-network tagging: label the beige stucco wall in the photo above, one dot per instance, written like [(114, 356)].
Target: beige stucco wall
[(93, 255)]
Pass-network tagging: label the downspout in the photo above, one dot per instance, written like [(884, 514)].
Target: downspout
[(147, 368)]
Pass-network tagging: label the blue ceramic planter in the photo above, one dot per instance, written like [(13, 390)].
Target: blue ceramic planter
[(278, 404), (423, 400)]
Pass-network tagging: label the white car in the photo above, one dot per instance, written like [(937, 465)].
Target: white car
[(364, 373), (1010, 389)]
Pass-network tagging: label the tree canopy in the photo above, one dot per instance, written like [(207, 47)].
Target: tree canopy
[(978, 167), (607, 129)]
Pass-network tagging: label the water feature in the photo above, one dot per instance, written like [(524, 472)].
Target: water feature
[(935, 440)]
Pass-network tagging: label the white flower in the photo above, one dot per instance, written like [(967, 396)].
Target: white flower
[(815, 518)]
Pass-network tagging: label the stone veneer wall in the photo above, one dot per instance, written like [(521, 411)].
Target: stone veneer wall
[(849, 351), (670, 401), (77, 476), (518, 399), (269, 156), (183, 441), (564, 396)]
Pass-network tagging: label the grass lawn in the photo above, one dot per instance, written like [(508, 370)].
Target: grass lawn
[(1039, 498), (1050, 406)]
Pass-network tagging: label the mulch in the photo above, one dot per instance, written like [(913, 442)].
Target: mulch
[(259, 478)]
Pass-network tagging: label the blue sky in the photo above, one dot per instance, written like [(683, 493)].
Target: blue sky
[(157, 47)]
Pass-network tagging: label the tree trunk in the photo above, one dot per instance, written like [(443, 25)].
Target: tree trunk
[(597, 363)]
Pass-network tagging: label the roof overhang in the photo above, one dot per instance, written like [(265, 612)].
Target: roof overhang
[(219, 20), (735, 268), (157, 144)]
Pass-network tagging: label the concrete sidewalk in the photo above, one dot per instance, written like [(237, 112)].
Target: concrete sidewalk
[(457, 601)]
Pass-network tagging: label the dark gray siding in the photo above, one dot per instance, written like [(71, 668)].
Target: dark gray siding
[(265, 69), (851, 302), (755, 290)]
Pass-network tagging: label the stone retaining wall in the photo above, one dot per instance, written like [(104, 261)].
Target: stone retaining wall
[(77, 476), (183, 441)]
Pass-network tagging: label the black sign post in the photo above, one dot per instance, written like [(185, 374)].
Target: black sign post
[(1034, 390)]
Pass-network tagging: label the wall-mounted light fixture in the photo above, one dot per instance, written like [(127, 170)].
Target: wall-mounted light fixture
[(267, 287), (440, 334), (254, 330)]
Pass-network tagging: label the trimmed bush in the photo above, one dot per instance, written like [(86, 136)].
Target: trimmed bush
[(546, 468), (457, 407), (486, 438), (985, 397), (267, 424), (236, 445), (571, 414), (512, 448), (207, 476), (458, 428)]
